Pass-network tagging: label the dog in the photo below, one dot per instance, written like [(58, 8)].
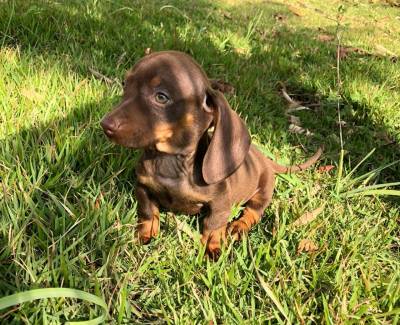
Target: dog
[(168, 108)]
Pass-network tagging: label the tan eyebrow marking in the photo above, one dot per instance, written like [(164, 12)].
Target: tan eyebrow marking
[(155, 81)]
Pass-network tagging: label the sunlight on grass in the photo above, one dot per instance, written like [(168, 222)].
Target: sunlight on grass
[(67, 204)]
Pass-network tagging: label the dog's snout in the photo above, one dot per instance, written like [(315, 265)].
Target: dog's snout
[(109, 126)]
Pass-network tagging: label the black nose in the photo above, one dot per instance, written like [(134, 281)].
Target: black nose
[(109, 126)]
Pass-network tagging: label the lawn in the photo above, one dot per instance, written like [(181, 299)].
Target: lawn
[(67, 204)]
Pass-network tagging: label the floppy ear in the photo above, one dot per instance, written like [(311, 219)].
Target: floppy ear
[(230, 142), (221, 85)]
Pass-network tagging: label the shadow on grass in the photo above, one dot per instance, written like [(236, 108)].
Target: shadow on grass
[(111, 36)]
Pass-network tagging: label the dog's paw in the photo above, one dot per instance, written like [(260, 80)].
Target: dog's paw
[(213, 251), (240, 227), (213, 240), (147, 229), (237, 229)]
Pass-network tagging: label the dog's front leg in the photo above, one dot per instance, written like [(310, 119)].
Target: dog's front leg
[(214, 229), (148, 215)]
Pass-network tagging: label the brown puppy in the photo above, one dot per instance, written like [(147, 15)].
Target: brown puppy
[(168, 107)]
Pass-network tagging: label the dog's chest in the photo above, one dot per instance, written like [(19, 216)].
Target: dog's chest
[(170, 181)]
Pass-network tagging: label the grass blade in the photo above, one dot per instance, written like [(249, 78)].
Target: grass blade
[(370, 174), (371, 187), (340, 172), (374, 192), (268, 289), (359, 164), (27, 296)]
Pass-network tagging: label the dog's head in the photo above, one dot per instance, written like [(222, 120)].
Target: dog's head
[(168, 104)]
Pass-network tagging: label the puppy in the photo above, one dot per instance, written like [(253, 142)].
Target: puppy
[(168, 109)]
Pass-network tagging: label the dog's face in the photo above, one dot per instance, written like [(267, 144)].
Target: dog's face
[(168, 104), (163, 105)]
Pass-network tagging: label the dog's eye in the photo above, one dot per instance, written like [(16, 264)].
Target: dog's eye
[(161, 98)]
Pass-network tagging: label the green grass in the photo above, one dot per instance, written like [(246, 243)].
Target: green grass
[(67, 206)]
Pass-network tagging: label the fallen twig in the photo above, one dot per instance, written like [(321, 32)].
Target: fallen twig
[(294, 106), (101, 76)]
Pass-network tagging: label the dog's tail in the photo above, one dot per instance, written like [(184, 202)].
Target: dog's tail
[(296, 168)]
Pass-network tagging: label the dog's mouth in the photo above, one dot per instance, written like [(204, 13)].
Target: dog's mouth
[(109, 134)]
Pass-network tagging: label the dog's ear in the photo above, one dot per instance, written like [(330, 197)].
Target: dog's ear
[(230, 142), (221, 85)]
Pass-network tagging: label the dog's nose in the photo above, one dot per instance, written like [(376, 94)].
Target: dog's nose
[(109, 126)]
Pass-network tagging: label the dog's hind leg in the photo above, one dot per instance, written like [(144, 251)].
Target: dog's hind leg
[(254, 208)]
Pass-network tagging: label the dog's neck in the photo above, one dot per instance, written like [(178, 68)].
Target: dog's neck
[(181, 163)]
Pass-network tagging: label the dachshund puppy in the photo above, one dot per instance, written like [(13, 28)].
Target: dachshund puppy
[(168, 109)]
